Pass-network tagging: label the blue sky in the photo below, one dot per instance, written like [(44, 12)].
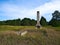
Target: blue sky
[(13, 9)]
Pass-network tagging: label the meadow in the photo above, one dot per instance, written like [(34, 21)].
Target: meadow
[(45, 36)]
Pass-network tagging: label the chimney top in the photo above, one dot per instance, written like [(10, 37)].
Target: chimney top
[(37, 11)]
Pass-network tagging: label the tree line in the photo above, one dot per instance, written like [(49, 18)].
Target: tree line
[(55, 21)]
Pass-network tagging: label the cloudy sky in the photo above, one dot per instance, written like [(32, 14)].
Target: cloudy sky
[(13, 9)]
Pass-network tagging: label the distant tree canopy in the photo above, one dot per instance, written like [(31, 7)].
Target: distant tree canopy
[(12, 22), (28, 22), (55, 21), (19, 22), (25, 21), (43, 21), (56, 15)]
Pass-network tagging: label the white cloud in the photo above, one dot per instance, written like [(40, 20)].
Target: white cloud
[(49, 7), (15, 11)]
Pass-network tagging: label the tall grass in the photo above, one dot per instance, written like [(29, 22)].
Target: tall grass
[(44, 36), (7, 27)]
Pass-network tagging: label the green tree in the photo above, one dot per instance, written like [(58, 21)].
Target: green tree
[(25, 22), (16, 22), (56, 15), (55, 21), (43, 21), (33, 22)]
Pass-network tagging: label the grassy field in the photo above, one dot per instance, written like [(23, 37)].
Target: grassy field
[(7, 27), (44, 36)]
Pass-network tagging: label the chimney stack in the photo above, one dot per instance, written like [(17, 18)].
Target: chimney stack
[(38, 20)]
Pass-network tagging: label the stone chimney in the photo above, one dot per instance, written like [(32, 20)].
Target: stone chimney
[(38, 20)]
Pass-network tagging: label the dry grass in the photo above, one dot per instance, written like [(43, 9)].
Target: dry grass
[(44, 36)]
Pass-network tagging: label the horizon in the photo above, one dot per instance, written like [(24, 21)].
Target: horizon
[(14, 9)]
